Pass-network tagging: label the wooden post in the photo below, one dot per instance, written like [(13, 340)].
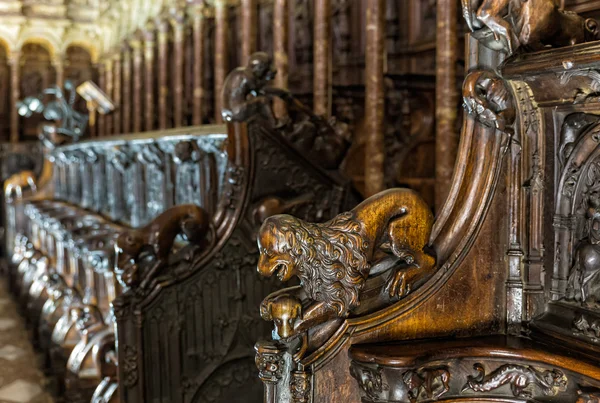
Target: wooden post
[(280, 51), (136, 48), (15, 93), (163, 72), (117, 88), (249, 20), (108, 71), (178, 24), (198, 29), (149, 43), (59, 68), (221, 67), (322, 57), (126, 90), (446, 142), (102, 84), (374, 97)]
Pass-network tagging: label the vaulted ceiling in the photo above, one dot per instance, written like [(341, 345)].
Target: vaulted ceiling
[(97, 25)]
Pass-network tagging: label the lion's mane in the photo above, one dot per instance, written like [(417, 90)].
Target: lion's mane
[(331, 258)]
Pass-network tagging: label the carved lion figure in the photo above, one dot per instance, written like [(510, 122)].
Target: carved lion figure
[(333, 260)]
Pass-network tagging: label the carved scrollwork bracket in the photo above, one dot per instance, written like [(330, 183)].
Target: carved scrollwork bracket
[(487, 97)]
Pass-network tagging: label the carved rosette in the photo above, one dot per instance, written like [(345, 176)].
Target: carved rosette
[(269, 361)]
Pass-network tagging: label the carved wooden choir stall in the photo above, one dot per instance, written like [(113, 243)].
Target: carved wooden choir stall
[(497, 298), (135, 257)]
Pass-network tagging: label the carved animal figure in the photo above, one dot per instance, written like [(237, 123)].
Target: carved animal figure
[(425, 380), (519, 378), (154, 242), (334, 259), (283, 310), (508, 25), (244, 91)]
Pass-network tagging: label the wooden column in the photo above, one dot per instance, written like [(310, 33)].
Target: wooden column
[(149, 44), (374, 97), (163, 71), (198, 16), (102, 84), (117, 78), (59, 68), (221, 67), (15, 93), (108, 71), (249, 20), (136, 49), (446, 142), (126, 90), (280, 51), (178, 24), (322, 57)]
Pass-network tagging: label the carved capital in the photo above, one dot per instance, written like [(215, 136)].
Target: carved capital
[(300, 387), (269, 361)]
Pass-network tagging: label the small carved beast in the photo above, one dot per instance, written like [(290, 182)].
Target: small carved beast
[(153, 242)]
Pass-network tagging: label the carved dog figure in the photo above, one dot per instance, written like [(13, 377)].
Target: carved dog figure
[(334, 259), (506, 25), (425, 379), (154, 242)]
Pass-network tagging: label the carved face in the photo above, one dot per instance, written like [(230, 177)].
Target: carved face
[(283, 311), (262, 66), (274, 253)]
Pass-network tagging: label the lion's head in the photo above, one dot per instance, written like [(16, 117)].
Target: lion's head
[(330, 258)]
